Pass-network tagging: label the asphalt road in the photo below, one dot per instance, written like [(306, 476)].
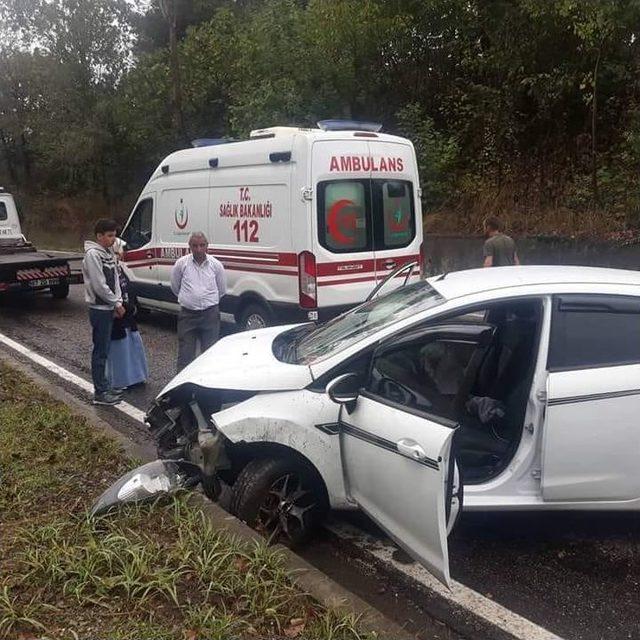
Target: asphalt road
[(577, 575)]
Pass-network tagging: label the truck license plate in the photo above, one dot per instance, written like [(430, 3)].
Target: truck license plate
[(44, 282)]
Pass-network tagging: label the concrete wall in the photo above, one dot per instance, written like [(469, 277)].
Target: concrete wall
[(453, 253)]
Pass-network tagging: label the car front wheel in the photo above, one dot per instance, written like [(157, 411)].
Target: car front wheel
[(279, 498)]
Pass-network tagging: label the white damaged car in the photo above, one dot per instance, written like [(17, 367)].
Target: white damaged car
[(520, 383)]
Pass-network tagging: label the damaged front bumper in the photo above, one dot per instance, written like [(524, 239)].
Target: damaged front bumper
[(182, 425), (190, 448)]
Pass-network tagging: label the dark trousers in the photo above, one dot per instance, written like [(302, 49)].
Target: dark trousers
[(101, 323), (196, 327)]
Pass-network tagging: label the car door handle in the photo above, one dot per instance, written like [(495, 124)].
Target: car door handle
[(411, 449), (389, 264), (149, 254)]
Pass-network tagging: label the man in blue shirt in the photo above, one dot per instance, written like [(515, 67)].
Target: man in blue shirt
[(198, 280)]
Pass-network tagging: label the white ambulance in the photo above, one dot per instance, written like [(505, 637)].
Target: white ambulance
[(305, 221)]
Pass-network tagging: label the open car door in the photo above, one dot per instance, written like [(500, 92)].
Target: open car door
[(397, 467), (396, 435)]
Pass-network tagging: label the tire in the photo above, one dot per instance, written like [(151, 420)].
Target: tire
[(259, 499), (139, 311), (211, 487), (60, 291), (254, 316)]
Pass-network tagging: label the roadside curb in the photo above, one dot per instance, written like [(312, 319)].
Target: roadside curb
[(304, 575), (307, 577)]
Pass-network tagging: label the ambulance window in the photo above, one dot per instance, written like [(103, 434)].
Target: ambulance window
[(342, 219), (138, 232), (397, 213), (3, 211)]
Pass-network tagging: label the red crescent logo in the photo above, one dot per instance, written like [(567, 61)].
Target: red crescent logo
[(334, 219), (184, 222)]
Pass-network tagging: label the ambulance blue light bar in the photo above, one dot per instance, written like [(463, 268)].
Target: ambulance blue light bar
[(349, 125), (210, 142)]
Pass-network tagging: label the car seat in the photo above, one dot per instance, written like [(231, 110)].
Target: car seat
[(501, 372)]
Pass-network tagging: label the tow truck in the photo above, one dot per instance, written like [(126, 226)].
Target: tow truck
[(22, 266)]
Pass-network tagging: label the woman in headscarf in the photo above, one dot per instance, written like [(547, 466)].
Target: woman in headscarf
[(127, 362)]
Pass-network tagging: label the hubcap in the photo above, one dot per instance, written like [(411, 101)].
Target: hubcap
[(283, 510), (255, 321)]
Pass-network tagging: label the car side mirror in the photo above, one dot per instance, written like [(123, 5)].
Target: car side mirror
[(344, 389)]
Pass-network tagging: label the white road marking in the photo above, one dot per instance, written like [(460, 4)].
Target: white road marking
[(460, 595), (124, 407)]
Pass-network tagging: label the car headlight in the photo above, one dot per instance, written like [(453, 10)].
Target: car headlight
[(148, 481)]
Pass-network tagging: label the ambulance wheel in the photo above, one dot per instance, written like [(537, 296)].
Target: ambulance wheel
[(138, 310), (60, 291), (254, 316), (279, 498)]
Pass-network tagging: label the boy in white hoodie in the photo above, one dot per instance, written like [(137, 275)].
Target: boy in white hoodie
[(102, 293)]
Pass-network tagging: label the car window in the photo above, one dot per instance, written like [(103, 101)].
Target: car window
[(594, 331), (362, 215), (3, 212), (365, 320), (343, 209), (474, 317), (425, 376), (138, 231), (398, 217)]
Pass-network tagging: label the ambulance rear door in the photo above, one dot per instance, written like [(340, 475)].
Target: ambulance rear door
[(397, 219), (343, 224), (367, 215)]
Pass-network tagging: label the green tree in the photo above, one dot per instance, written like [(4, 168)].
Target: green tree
[(437, 154)]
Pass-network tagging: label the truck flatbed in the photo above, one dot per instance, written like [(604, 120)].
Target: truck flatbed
[(33, 256), (25, 268)]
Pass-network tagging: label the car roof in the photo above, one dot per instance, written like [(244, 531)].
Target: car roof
[(462, 283)]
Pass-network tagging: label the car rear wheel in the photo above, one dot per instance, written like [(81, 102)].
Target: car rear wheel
[(60, 291), (279, 498), (254, 316)]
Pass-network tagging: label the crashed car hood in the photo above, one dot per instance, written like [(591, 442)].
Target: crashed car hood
[(244, 361)]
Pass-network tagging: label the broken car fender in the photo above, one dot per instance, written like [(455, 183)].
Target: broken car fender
[(305, 421)]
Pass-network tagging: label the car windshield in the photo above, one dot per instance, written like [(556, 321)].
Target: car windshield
[(368, 318)]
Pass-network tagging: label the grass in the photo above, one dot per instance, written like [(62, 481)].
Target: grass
[(156, 571)]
